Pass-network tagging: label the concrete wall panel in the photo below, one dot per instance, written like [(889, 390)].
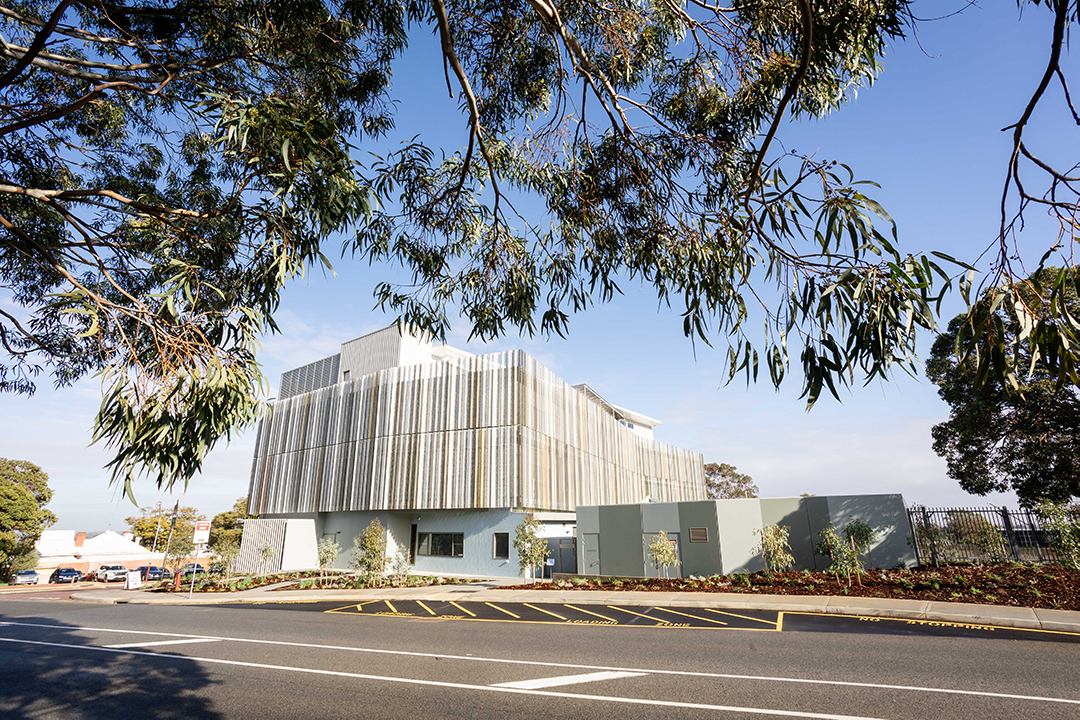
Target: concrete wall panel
[(299, 551), (791, 513), (659, 517), (817, 513), (887, 515), (621, 551), (700, 558), (737, 521)]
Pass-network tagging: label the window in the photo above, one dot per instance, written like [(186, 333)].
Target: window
[(441, 544), (699, 534), (345, 376), (502, 546)]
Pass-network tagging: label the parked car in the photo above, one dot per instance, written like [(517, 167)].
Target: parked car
[(190, 568), (25, 577), (65, 575), (166, 574), (150, 573), (109, 573)]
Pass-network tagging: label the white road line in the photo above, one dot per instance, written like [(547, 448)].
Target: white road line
[(164, 642), (572, 666), (566, 680), (457, 686)]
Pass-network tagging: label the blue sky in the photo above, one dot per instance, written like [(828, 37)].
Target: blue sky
[(928, 131)]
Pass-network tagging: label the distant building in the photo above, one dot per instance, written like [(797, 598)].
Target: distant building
[(68, 548), (448, 449)]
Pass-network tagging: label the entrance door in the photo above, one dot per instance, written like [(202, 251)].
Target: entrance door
[(590, 553), (566, 560), (412, 545)]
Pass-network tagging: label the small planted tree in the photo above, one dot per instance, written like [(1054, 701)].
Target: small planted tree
[(774, 548), (266, 556), (399, 568), (227, 549), (840, 553), (369, 552), (864, 536), (532, 549), (662, 553), (1063, 531), (328, 555), (180, 550)]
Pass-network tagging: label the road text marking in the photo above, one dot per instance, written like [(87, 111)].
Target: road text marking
[(647, 617), (718, 622)]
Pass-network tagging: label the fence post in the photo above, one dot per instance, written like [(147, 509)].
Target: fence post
[(933, 549), (1010, 534), (914, 536), (1034, 535)]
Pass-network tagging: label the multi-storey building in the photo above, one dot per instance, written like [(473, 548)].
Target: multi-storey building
[(448, 449)]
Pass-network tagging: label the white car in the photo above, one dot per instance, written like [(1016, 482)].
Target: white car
[(109, 573)]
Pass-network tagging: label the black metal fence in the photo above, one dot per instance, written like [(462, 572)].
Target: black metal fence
[(946, 535)]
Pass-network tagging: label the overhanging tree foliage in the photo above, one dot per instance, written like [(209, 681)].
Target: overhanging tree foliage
[(1003, 437), (167, 167)]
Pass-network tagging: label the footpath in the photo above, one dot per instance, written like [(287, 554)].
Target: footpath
[(945, 612)]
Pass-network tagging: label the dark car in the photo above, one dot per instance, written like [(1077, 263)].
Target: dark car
[(166, 574), (65, 575), (192, 568), (150, 573)]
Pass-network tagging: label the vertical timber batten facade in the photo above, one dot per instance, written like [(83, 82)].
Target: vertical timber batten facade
[(455, 433)]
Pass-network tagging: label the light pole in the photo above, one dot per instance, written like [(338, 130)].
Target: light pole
[(158, 531)]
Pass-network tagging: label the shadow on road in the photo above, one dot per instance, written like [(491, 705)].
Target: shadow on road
[(57, 680)]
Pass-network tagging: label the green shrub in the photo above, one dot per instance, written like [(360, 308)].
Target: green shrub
[(774, 547), (369, 551)]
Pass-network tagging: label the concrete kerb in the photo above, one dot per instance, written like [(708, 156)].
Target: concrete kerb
[(963, 613)]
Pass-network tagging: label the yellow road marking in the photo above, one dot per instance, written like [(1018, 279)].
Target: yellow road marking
[(590, 612), (390, 605), (647, 617), (544, 611), (779, 621), (944, 623), (421, 604), (505, 611), (359, 608), (744, 617), (467, 612), (696, 617)]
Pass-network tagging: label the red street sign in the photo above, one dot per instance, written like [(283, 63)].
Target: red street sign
[(202, 533)]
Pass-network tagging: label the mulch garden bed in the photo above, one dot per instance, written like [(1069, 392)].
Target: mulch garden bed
[(305, 580), (355, 582), (233, 584), (1040, 586)]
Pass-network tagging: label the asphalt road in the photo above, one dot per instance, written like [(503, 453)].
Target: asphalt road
[(68, 659)]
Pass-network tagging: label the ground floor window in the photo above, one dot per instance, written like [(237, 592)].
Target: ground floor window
[(502, 546), (441, 544)]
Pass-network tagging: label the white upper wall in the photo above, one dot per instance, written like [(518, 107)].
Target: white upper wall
[(390, 347), (396, 346)]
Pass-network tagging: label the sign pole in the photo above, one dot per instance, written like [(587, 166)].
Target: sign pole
[(194, 571), (202, 537)]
